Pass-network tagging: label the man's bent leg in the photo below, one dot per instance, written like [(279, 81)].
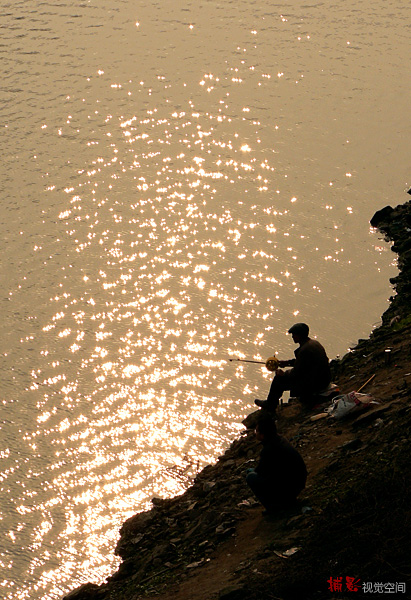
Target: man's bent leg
[(279, 385), (272, 498), (261, 490)]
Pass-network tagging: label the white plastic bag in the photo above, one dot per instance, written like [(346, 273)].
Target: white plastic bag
[(342, 405)]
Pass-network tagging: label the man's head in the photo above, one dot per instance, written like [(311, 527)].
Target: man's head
[(266, 427), (300, 332)]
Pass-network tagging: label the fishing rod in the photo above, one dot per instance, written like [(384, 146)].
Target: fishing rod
[(271, 364), (258, 362)]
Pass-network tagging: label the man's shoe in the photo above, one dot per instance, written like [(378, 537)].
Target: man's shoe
[(266, 406), (261, 403)]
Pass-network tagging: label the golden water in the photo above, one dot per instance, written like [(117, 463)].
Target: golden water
[(180, 183)]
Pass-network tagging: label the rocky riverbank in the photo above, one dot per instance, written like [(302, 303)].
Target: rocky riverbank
[(352, 527)]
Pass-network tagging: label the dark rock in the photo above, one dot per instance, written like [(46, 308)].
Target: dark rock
[(251, 420), (137, 523), (160, 550), (295, 521), (369, 417), (136, 540), (402, 245), (232, 592), (193, 532), (404, 260), (229, 463), (87, 591), (224, 531), (126, 569), (382, 216), (156, 501), (195, 564), (208, 486), (352, 444), (333, 466)]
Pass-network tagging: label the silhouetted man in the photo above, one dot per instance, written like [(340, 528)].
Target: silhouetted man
[(281, 472), (309, 375)]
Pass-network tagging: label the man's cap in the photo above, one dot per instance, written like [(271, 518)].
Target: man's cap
[(300, 329)]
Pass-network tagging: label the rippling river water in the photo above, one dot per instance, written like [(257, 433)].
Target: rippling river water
[(180, 182)]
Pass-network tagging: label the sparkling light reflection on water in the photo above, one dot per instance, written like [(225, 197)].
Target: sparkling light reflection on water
[(180, 184)]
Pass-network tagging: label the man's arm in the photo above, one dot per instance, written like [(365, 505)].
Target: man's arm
[(287, 363)]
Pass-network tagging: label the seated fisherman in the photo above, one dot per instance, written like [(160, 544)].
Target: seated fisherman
[(281, 472), (309, 375)]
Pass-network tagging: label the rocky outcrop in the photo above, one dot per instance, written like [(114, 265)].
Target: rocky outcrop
[(396, 224)]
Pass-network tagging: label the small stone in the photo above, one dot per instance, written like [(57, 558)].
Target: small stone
[(352, 444), (232, 592), (208, 486), (306, 509), (294, 520), (369, 417), (137, 539), (196, 564), (223, 530), (156, 501)]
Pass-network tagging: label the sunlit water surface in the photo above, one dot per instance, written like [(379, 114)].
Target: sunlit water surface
[(180, 183)]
